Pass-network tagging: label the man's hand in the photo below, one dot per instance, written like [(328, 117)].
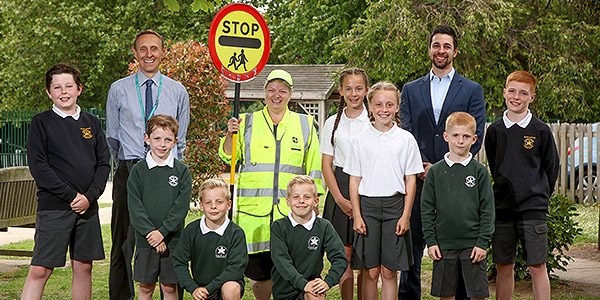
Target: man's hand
[(434, 252), (80, 204), (200, 293), (478, 254), (154, 238), (423, 174)]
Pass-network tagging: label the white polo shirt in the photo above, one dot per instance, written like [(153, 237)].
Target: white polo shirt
[(382, 159), (346, 129)]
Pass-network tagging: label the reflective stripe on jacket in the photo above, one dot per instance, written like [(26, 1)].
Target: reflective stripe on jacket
[(266, 165)]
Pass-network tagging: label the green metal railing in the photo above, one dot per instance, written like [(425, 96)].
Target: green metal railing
[(14, 126)]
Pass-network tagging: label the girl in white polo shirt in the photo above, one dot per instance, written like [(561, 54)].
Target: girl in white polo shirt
[(383, 164), (352, 117)]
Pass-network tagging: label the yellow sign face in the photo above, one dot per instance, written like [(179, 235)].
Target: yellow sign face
[(239, 42)]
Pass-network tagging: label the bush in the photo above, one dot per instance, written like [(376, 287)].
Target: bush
[(190, 63), (562, 231)]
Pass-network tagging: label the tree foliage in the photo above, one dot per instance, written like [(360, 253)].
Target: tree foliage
[(558, 41), (302, 31), (189, 63), (196, 5), (551, 40), (96, 36)]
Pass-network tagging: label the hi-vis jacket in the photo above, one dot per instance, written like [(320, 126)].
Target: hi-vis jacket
[(267, 162)]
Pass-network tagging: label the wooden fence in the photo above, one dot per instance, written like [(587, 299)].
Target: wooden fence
[(582, 140), (575, 143)]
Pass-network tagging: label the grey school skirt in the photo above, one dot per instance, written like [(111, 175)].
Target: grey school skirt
[(341, 222), (381, 245)]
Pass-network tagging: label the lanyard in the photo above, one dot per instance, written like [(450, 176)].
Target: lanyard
[(139, 94)]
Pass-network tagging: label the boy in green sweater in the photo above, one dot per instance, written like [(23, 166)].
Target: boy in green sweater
[(159, 191), (457, 211), (215, 247), (298, 243)]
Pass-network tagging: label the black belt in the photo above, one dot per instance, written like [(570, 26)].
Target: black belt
[(129, 163)]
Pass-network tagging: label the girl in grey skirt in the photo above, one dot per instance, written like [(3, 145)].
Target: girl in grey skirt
[(352, 117), (383, 165)]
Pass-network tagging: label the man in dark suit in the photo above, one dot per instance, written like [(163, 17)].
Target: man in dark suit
[(425, 105)]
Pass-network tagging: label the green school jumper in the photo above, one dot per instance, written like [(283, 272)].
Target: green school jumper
[(158, 199), (457, 206), (297, 254), (215, 259)]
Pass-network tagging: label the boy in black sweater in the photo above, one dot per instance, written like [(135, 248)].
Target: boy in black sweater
[(524, 163), (457, 210), (69, 160), (298, 243), (159, 191), (215, 247)]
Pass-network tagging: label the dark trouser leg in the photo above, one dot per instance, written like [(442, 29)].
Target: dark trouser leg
[(409, 287), (120, 282)]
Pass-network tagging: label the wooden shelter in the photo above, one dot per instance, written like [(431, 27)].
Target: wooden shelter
[(315, 88)]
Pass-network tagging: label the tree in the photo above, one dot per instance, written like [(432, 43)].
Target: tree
[(96, 36), (197, 5), (302, 31), (496, 38), (189, 63)]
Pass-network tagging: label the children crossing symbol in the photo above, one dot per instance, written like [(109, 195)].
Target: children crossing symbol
[(239, 42)]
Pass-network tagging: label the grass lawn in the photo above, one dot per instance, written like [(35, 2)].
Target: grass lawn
[(588, 221), (59, 284)]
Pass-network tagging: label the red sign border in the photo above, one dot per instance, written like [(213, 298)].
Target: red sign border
[(235, 77)]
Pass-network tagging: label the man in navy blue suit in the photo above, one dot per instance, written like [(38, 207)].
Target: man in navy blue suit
[(425, 105)]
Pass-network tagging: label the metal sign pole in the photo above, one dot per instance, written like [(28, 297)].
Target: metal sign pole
[(236, 114), (238, 36)]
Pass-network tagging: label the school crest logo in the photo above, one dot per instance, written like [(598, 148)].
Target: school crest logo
[(295, 140), (313, 243), (221, 252), (173, 180), (86, 132), (470, 181), (528, 141)]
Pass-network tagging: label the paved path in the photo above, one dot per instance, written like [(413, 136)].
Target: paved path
[(16, 234), (580, 270)]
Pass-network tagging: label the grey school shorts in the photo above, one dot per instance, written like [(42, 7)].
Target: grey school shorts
[(57, 230), (216, 295), (533, 235), (381, 245), (456, 263), (149, 266)]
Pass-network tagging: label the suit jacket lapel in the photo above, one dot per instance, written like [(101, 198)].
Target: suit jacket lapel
[(426, 97), (453, 90)]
